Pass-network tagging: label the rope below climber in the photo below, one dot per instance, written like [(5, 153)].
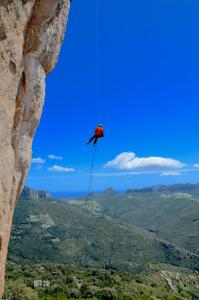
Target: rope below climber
[(99, 133)]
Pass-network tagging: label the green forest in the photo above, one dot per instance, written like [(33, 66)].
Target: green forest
[(142, 244)]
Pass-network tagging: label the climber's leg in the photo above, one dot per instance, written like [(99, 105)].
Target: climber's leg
[(91, 139), (95, 140)]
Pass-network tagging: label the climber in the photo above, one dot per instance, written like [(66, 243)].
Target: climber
[(99, 133)]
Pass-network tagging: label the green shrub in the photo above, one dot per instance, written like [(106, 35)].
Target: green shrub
[(107, 294), (17, 290)]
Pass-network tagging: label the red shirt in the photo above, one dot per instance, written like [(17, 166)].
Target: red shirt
[(99, 132)]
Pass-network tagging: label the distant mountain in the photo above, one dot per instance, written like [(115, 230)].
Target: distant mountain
[(110, 192), (31, 194), (178, 188)]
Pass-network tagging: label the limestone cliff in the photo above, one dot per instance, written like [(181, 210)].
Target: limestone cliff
[(30, 194), (31, 33)]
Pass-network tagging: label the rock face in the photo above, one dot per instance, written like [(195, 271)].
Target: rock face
[(31, 33), (31, 194)]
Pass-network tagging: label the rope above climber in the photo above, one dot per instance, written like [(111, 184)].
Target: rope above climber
[(99, 133)]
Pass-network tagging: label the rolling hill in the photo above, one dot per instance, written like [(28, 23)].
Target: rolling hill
[(52, 231), (167, 212)]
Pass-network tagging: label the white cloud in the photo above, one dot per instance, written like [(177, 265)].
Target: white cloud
[(196, 166), (170, 174), (129, 161), (54, 157), (38, 160), (56, 168)]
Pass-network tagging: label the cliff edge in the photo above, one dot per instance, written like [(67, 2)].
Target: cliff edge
[(31, 33)]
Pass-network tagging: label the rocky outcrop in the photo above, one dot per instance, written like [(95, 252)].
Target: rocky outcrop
[(31, 32), (30, 194)]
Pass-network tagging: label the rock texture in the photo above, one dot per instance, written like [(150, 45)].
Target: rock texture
[(31, 33)]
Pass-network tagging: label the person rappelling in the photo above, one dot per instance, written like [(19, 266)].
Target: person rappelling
[(99, 133)]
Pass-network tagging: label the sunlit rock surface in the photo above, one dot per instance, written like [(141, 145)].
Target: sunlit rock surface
[(31, 33)]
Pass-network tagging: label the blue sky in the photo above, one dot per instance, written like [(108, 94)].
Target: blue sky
[(133, 66)]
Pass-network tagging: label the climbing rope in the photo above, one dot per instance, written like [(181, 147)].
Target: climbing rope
[(90, 183), (91, 176), (89, 187)]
